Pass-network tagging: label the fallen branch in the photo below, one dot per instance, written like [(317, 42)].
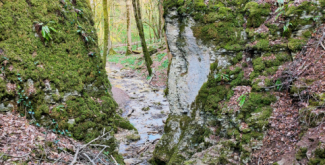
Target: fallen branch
[(84, 151)]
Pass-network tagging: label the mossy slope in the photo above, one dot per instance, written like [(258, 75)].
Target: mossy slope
[(39, 75)]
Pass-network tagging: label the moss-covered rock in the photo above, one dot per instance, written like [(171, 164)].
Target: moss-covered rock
[(60, 77), (256, 44)]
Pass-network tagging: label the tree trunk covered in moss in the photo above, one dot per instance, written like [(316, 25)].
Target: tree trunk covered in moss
[(137, 15), (107, 44), (160, 21), (128, 26)]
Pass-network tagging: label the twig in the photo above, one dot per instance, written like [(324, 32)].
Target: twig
[(103, 161), (80, 148), (57, 160), (94, 140), (99, 153), (75, 156), (114, 160), (99, 145), (92, 162), (322, 45)]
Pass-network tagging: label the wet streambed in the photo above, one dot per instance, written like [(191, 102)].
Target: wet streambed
[(144, 106)]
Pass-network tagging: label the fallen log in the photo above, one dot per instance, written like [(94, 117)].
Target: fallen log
[(136, 52)]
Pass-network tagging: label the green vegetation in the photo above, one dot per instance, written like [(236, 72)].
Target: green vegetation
[(221, 76), (165, 64), (257, 13), (129, 60), (45, 30), (301, 153), (319, 156), (242, 100), (161, 56)]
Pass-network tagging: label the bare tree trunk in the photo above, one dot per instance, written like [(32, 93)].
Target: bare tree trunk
[(137, 15), (128, 26)]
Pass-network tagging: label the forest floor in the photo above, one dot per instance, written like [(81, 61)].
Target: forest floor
[(21, 142), (141, 99)]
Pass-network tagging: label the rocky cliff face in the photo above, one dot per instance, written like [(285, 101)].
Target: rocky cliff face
[(241, 83), (51, 69)]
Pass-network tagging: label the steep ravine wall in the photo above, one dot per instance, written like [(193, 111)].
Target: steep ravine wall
[(59, 82), (228, 57)]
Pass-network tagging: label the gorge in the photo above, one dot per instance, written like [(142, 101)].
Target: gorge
[(245, 84)]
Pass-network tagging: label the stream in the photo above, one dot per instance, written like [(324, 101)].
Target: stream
[(145, 107)]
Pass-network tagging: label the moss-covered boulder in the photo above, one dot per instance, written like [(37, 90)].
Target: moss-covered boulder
[(51, 69), (239, 48)]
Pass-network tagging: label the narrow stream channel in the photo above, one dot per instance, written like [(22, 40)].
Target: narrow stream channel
[(145, 107)]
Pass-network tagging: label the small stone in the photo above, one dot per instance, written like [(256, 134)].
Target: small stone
[(40, 138), (71, 121)]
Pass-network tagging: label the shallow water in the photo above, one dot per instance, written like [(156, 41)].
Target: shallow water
[(135, 96)]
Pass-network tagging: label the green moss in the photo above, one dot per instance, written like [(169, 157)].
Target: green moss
[(256, 13), (180, 2), (301, 153), (237, 58), (258, 100), (210, 95), (319, 157), (223, 33), (239, 80), (199, 5), (270, 71), (296, 44), (296, 89), (258, 64), (262, 45), (303, 7), (123, 123), (307, 34), (133, 137), (214, 66)]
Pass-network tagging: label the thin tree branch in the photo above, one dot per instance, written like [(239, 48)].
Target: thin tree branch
[(114, 160), (91, 161)]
